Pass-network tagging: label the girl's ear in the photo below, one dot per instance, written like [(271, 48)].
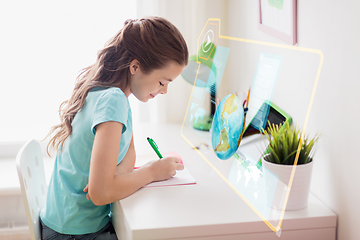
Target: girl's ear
[(134, 66)]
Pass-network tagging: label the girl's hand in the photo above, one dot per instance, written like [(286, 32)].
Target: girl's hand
[(165, 168)]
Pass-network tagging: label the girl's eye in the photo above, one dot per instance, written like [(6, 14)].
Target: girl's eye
[(161, 84)]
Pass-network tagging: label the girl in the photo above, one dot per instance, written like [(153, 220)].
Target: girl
[(96, 156)]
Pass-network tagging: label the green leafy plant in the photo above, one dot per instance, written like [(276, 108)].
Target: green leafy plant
[(284, 143)]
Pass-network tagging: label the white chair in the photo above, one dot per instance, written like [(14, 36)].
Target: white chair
[(30, 168)]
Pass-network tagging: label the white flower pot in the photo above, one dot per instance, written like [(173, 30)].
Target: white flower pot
[(276, 190)]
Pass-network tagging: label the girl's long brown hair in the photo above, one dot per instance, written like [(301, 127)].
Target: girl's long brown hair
[(153, 41)]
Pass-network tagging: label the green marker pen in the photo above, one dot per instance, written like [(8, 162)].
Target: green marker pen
[(154, 146)]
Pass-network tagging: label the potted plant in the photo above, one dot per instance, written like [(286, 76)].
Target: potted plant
[(289, 153)]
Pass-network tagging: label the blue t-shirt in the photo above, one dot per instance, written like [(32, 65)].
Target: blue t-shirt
[(67, 209)]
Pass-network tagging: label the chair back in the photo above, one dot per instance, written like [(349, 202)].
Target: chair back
[(30, 168)]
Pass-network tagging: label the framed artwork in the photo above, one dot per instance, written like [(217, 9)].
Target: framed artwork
[(279, 18)]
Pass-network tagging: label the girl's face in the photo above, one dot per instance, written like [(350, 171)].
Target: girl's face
[(147, 86)]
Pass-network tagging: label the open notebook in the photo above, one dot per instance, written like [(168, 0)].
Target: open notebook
[(182, 177)]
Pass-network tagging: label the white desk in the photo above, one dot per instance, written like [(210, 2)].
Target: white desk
[(209, 209)]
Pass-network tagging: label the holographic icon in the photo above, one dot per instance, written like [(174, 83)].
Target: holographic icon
[(209, 36), (207, 42)]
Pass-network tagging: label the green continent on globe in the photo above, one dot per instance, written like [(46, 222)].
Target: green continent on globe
[(230, 105), (223, 145)]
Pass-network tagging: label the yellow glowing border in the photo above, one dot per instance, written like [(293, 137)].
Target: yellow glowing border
[(296, 48)]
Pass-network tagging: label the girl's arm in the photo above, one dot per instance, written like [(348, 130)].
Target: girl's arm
[(104, 185), (128, 162)]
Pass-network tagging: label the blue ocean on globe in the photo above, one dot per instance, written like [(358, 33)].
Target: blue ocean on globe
[(227, 126)]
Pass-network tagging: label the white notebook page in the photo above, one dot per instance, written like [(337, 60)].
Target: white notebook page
[(182, 177)]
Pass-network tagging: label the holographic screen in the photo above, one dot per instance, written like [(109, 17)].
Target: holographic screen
[(232, 76)]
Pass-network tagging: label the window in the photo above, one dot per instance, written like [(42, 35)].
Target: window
[(44, 45)]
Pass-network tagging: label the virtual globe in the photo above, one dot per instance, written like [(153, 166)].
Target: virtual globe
[(227, 126)]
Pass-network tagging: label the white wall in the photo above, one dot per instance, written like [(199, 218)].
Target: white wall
[(332, 27)]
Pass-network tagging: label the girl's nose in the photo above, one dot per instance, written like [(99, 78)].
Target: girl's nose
[(163, 90)]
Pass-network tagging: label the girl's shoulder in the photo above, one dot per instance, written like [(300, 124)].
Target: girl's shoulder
[(106, 90), (108, 97), (102, 92)]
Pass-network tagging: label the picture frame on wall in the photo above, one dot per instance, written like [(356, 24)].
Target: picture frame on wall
[(279, 19)]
